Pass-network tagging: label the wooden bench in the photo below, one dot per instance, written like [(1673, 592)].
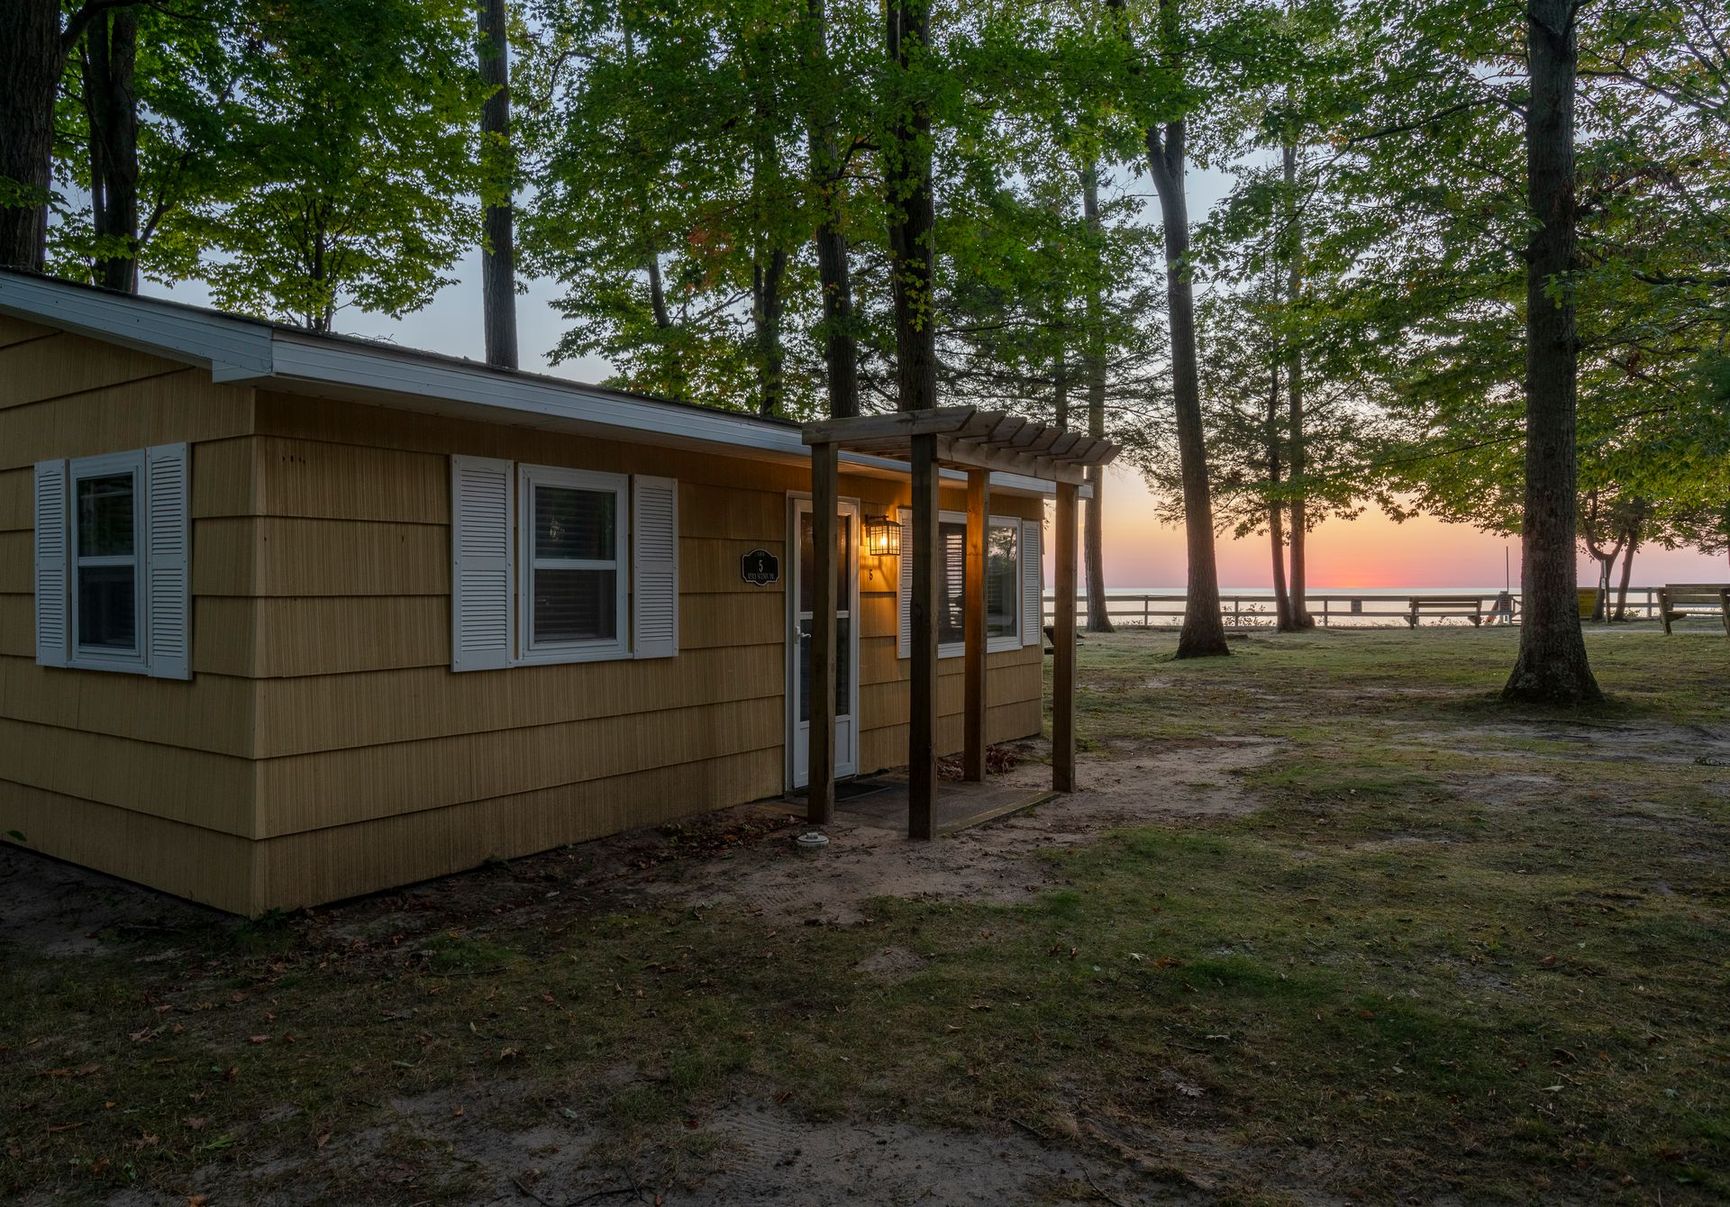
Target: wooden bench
[(1444, 605), (1678, 601)]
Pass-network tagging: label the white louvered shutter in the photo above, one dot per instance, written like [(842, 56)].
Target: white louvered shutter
[(51, 563), (904, 590), (655, 558), (1032, 582), (168, 561), (481, 564)]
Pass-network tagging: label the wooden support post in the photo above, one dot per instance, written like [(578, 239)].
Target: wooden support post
[(820, 792), (922, 682), (973, 629), (1063, 646)]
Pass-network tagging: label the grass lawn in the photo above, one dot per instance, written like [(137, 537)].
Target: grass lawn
[(1444, 950)]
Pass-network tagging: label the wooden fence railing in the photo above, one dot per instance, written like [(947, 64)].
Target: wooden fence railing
[(1330, 608)]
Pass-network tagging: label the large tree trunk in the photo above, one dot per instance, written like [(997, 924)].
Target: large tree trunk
[(111, 109), (912, 211), (1203, 632), (1551, 667), (1093, 534), (1294, 372), (834, 275), (498, 252), (766, 307), (1282, 603), (32, 55)]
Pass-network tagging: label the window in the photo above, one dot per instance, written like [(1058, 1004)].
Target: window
[(1002, 583), (111, 562), (1002, 579), (576, 568), (107, 603)]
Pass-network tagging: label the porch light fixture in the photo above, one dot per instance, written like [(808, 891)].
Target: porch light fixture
[(882, 536)]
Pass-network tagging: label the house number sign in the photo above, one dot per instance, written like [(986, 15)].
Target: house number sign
[(759, 567)]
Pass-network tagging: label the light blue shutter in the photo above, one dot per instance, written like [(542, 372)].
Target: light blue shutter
[(481, 564), (655, 564), (1032, 582), (167, 564), (904, 589), (51, 563)]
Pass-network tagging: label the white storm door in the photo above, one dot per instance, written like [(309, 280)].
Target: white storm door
[(800, 558)]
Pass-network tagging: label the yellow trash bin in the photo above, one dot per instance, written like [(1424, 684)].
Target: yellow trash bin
[(1588, 602)]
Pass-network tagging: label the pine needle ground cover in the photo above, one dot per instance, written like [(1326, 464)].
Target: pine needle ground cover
[(1437, 949)]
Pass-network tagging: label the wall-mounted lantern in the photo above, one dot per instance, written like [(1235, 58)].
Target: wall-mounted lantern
[(882, 536)]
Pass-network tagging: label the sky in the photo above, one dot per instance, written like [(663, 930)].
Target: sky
[(1370, 551)]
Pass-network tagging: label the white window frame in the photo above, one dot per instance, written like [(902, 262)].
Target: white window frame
[(1007, 641), (102, 658), (531, 652)]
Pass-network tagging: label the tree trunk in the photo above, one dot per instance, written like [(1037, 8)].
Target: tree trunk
[(1203, 632), (1282, 603), (1551, 667), (32, 55), (1294, 372), (912, 210), (498, 250), (834, 276), (1633, 543), (111, 108), (766, 307), (1060, 392), (1093, 535), (658, 293)]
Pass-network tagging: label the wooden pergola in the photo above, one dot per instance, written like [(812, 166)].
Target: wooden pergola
[(979, 442)]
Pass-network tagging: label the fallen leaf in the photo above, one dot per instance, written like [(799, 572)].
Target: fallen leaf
[(258, 1039)]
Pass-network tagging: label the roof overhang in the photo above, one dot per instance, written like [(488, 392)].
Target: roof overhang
[(250, 351)]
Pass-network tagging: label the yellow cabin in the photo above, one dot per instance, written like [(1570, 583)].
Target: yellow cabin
[(285, 618)]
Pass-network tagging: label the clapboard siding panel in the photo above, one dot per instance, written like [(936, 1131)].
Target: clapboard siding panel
[(332, 712), (16, 331), (189, 861), (17, 626), (192, 786), (309, 791), (326, 864), (358, 634), (273, 556), (217, 717), (350, 482), (159, 410), (886, 747), (337, 422), (305, 557), (62, 364), (17, 502), (17, 560)]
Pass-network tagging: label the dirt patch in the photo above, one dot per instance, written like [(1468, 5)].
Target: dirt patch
[(1177, 781)]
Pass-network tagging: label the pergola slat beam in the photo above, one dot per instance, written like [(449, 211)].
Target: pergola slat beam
[(1009, 461)]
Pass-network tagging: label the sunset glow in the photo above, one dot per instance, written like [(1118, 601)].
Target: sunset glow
[(1370, 552)]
